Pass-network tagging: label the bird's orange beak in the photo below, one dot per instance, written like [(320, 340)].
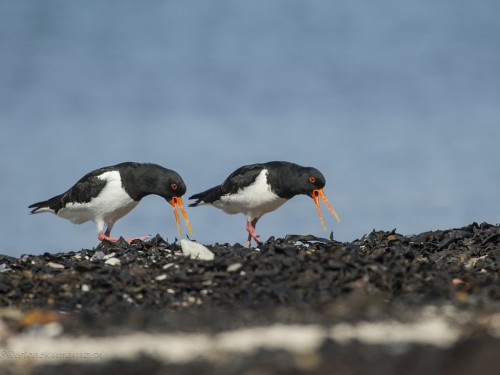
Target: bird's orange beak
[(177, 202), (315, 196)]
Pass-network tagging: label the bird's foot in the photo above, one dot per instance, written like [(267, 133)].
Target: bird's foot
[(101, 236), (256, 239), (252, 234)]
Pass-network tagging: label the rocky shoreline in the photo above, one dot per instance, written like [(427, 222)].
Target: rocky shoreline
[(385, 303)]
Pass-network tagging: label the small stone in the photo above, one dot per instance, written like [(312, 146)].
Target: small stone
[(195, 250), (300, 243), (392, 237), (85, 288), (55, 265), (234, 267), (113, 262), (4, 268), (99, 255), (161, 277)]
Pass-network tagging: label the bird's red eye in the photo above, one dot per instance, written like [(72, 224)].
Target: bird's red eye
[(174, 186), (312, 179)]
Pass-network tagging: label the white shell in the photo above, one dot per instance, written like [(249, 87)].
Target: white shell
[(194, 250)]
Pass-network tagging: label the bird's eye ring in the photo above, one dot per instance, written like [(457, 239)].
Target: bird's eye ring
[(312, 179), (173, 186)]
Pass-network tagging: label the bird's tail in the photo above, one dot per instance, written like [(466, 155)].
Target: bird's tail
[(206, 197), (51, 205)]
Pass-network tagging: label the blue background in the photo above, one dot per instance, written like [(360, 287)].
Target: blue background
[(397, 103)]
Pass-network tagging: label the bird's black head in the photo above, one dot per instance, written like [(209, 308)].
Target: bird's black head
[(175, 189), (310, 179), (290, 179), (172, 186), (146, 179), (311, 182)]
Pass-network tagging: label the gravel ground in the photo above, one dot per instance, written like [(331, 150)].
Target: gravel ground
[(383, 304)]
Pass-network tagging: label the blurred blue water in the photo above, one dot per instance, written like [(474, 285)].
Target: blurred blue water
[(396, 102)]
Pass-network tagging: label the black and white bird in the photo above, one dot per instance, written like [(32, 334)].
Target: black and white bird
[(257, 189), (107, 194)]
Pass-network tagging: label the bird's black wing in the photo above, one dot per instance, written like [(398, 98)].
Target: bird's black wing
[(53, 203), (207, 196), (241, 177), (83, 191)]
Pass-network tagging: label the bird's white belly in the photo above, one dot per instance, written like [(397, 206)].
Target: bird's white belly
[(111, 204), (254, 200)]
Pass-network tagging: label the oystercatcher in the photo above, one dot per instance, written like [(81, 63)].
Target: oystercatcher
[(257, 189), (107, 194)]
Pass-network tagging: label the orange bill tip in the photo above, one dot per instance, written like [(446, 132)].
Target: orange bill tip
[(319, 193), (323, 197), (316, 202), (177, 202), (176, 213), (184, 215)]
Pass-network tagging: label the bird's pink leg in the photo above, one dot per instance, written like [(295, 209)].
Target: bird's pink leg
[(105, 236), (251, 232)]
